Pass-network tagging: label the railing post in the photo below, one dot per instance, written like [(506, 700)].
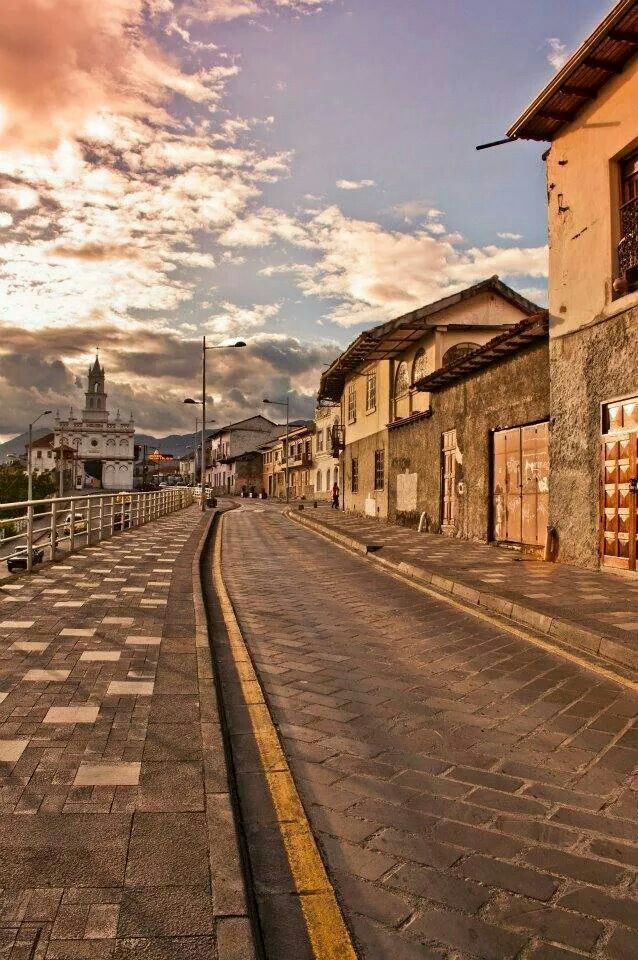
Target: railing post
[(30, 538), (54, 527), (88, 521), (101, 519), (72, 533), (112, 523)]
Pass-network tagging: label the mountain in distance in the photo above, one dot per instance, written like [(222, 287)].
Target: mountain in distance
[(17, 446)]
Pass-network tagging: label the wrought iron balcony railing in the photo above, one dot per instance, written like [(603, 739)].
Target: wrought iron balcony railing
[(628, 246)]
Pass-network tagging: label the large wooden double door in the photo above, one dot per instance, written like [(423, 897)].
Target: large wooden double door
[(520, 492), (619, 494)]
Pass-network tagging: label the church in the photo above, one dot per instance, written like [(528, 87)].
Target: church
[(103, 449)]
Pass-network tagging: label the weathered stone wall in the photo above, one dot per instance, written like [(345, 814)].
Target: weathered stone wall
[(588, 367), (363, 450), (511, 393)]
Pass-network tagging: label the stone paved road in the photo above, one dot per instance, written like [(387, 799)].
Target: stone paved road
[(473, 796), (112, 776)]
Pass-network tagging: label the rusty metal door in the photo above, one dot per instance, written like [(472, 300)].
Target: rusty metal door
[(619, 506), (449, 502), (520, 492)]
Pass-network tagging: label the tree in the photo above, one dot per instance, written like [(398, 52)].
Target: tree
[(14, 484)]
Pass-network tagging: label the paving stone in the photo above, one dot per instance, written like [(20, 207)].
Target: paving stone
[(507, 876), (571, 865), (106, 774), (12, 750), (440, 887), (550, 923), (467, 935), (170, 912), (78, 714)]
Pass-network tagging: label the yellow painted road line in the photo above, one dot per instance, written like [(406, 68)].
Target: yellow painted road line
[(503, 624), (326, 927)]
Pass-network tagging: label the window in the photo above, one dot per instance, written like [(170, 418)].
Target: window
[(371, 391), (39, 454), (419, 366), (354, 476), (628, 245), (320, 440), (318, 481), (379, 469), (457, 352), (328, 478), (402, 380), (352, 403)]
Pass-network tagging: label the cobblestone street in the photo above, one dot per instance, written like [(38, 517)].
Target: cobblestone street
[(473, 795), (112, 773)]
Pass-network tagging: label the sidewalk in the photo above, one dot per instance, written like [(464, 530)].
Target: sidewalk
[(596, 612), (116, 831)]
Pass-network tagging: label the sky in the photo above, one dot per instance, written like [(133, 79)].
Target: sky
[(287, 172)]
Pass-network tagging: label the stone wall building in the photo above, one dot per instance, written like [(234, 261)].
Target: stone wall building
[(588, 113), (228, 468), (103, 448), (476, 461), (372, 380)]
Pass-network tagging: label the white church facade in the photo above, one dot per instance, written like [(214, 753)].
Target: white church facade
[(103, 449)]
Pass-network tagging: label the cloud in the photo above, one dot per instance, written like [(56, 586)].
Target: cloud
[(233, 320), (373, 274), (152, 373), (557, 53), (355, 184), (510, 236), (412, 210)]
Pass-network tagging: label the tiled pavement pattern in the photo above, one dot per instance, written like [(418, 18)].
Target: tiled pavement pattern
[(107, 795), (474, 796), (591, 600)]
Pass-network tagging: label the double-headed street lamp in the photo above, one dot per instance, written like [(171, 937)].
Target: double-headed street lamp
[(30, 458), (215, 346), (284, 403)]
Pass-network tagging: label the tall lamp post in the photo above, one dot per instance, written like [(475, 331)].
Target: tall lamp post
[(198, 420), (30, 458), (215, 346), (285, 403)]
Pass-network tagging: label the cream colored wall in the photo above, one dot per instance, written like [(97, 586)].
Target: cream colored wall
[(368, 424), (582, 180)]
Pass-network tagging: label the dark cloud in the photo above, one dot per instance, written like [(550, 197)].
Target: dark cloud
[(150, 371)]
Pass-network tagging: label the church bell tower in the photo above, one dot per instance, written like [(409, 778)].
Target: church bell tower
[(95, 403)]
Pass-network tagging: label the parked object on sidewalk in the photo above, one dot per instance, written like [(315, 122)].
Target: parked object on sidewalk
[(20, 557)]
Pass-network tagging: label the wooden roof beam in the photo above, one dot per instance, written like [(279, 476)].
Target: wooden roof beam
[(573, 90), (625, 36), (598, 63)]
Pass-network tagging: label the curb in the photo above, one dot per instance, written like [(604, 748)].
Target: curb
[(564, 631), (234, 929)]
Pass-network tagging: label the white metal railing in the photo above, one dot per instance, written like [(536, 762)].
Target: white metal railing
[(62, 524)]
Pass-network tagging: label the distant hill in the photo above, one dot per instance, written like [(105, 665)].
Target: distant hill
[(16, 447)]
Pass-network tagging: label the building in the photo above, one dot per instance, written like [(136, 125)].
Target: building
[(45, 457), (476, 462), (372, 380), (588, 114), (234, 457), (103, 448), (299, 461), (325, 465)]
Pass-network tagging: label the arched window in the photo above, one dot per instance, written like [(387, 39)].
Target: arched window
[(318, 481), (419, 365), (336, 475), (458, 351), (328, 478), (401, 381), (124, 443), (110, 443)]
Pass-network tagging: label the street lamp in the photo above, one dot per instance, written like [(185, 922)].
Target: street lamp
[(30, 459), (284, 403), (198, 420), (215, 346)]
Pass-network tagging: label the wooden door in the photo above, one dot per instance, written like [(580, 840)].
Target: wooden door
[(449, 503), (520, 486), (619, 498)]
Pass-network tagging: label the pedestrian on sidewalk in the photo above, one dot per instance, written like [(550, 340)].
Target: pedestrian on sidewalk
[(335, 496)]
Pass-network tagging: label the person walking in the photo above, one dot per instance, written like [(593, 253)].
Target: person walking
[(335, 496)]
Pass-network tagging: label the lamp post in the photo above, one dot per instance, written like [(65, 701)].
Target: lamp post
[(284, 403), (30, 458), (198, 420), (214, 346)]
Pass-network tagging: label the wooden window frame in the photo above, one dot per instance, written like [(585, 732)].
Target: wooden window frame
[(379, 469), (354, 475), (371, 391), (352, 403)]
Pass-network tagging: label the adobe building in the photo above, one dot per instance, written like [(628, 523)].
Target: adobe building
[(476, 461), (372, 379), (589, 115), (325, 465), (233, 457)]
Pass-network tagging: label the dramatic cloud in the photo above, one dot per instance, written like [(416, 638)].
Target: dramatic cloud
[(510, 236), (413, 210), (557, 53), (374, 274), (354, 184), (152, 373)]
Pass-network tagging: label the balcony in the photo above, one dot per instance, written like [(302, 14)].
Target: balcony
[(628, 246)]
